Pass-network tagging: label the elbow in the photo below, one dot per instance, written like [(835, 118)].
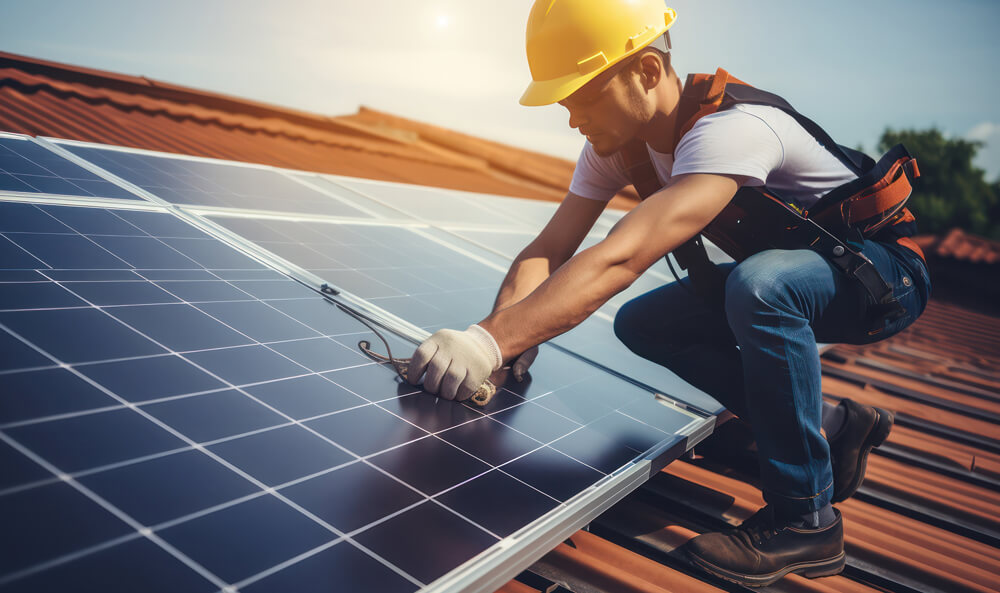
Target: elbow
[(624, 262), (627, 273), (621, 269)]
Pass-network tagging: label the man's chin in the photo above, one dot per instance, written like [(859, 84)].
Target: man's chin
[(602, 147)]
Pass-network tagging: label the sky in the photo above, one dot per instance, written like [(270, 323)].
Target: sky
[(853, 66)]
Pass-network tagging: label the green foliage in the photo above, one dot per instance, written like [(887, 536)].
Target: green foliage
[(951, 191)]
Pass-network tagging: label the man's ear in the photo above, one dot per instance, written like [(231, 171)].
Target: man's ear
[(650, 70)]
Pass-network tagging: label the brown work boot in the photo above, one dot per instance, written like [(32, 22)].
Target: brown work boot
[(763, 550), (864, 428)]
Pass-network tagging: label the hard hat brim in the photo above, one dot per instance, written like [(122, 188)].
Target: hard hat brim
[(547, 92)]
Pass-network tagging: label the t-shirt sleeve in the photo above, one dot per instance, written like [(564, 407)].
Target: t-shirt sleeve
[(597, 177), (731, 142)]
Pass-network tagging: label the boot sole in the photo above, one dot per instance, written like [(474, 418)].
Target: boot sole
[(810, 570), (879, 433)]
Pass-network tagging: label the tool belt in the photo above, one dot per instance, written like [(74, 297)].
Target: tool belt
[(872, 206)]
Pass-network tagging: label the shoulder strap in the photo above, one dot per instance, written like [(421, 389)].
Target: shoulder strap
[(737, 92), (639, 168), (703, 94)]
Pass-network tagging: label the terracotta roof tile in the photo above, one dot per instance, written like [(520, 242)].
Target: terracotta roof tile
[(960, 245)]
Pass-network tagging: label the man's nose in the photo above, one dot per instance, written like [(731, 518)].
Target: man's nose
[(576, 118)]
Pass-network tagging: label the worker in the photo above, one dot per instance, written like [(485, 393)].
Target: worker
[(754, 345)]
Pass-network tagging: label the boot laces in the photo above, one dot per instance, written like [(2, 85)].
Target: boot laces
[(760, 527)]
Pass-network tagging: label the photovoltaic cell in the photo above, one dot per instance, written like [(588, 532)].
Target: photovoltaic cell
[(29, 167), (210, 183), (239, 425)]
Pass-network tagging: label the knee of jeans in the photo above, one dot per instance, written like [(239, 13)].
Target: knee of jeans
[(755, 284), (628, 320)]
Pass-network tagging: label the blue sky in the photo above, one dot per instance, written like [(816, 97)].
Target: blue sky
[(855, 67)]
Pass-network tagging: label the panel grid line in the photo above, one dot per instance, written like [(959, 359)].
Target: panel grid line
[(273, 490), (139, 528), (293, 421), (144, 530)]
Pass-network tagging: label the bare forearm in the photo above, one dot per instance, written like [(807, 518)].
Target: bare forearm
[(525, 275), (560, 302), (585, 282)]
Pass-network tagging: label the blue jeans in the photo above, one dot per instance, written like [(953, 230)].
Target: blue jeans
[(759, 357)]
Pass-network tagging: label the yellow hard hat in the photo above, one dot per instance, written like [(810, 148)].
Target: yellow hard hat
[(570, 42)]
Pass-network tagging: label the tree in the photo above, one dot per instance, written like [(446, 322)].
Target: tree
[(950, 191)]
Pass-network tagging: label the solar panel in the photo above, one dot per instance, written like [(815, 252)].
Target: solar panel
[(28, 167), (203, 182), (178, 416)]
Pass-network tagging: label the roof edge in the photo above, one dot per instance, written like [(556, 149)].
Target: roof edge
[(164, 90)]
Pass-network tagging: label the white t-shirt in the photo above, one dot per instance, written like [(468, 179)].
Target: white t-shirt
[(759, 142)]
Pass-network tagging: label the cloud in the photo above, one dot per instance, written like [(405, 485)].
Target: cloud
[(983, 131), (988, 157)]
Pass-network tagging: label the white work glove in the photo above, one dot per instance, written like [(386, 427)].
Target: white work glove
[(521, 364), (456, 362)]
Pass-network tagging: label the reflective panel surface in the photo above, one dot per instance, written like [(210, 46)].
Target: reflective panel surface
[(178, 404), (26, 166), (211, 183)]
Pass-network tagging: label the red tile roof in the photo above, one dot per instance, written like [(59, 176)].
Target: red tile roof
[(960, 245), (46, 98), (926, 517)]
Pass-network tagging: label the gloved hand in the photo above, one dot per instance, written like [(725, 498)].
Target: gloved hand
[(521, 364), (456, 363)]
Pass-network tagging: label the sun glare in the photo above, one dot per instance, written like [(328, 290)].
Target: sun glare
[(443, 20)]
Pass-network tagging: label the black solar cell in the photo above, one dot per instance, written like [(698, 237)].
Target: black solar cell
[(341, 567), (136, 564)]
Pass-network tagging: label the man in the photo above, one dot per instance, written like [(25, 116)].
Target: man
[(608, 63)]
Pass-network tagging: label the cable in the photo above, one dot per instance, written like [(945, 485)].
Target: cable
[(481, 397), (677, 278)]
